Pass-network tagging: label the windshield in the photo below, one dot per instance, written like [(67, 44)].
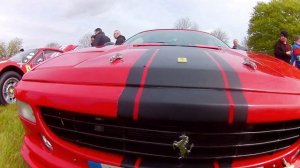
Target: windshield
[(176, 37), (24, 57)]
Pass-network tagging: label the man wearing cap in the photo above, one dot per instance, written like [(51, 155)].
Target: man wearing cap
[(283, 48)]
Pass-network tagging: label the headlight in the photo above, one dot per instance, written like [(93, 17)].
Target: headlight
[(25, 111)]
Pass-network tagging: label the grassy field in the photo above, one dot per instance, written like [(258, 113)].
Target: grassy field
[(11, 136)]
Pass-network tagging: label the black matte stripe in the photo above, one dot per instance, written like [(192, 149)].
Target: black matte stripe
[(241, 106), (128, 162), (199, 71), (188, 98), (126, 100), (184, 105)]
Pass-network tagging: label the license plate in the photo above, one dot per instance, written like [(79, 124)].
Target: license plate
[(100, 165)]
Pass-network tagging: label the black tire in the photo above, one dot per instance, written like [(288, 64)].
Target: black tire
[(7, 82)]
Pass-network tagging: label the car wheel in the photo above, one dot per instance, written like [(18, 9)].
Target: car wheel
[(8, 81)]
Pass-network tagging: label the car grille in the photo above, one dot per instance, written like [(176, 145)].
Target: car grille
[(155, 139)]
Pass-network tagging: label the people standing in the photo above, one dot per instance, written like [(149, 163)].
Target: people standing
[(120, 39), (282, 48), (100, 38), (237, 46), (295, 54)]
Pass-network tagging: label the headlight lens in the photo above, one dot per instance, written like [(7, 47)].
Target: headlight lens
[(25, 111)]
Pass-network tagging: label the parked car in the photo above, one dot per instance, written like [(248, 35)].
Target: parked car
[(12, 70), (165, 98)]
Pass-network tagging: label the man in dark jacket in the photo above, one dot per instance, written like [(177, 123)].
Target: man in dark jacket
[(100, 38), (282, 48), (120, 39)]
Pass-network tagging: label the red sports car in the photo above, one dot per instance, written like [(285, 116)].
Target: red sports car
[(166, 98), (12, 70)]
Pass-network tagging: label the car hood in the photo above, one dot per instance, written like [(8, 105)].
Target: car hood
[(170, 66)]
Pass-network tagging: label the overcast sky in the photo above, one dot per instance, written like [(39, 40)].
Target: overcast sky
[(39, 22)]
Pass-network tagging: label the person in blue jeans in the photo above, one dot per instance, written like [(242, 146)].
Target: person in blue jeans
[(295, 54)]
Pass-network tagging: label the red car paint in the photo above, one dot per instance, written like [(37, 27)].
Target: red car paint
[(13, 69), (89, 84)]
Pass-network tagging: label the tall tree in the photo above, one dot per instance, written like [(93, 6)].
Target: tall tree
[(85, 40), (268, 19), (10, 49), (220, 34), (185, 23), (53, 45)]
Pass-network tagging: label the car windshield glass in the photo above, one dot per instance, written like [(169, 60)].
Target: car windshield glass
[(173, 37), (24, 57)]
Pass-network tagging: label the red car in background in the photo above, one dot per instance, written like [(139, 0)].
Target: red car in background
[(165, 98), (12, 70)]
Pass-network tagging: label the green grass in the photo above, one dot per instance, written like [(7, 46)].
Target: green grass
[(11, 137)]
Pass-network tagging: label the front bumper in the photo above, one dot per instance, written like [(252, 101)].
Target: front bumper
[(65, 154)]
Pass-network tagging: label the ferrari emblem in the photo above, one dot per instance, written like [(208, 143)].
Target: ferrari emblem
[(182, 146), (28, 68), (182, 60)]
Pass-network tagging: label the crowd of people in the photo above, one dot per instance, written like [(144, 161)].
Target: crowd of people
[(284, 51), (99, 39)]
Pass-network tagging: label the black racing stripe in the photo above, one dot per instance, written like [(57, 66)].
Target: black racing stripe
[(185, 95), (199, 71), (128, 162), (184, 105), (126, 100), (241, 105)]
